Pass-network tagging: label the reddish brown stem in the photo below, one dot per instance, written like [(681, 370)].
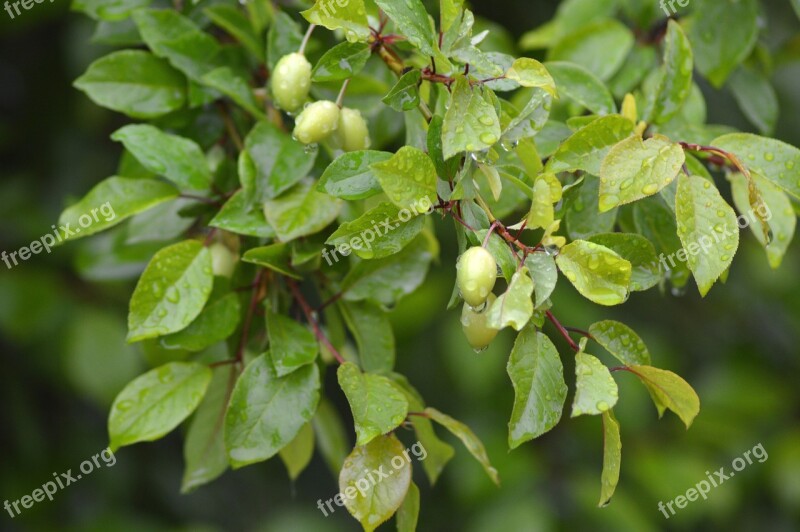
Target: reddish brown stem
[(248, 320), (309, 313), (564, 332)]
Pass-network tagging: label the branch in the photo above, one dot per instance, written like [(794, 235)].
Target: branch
[(564, 332), (298, 295)]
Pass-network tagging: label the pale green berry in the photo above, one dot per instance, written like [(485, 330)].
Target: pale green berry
[(223, 260), (476, 275), (291, 82), (353, 133), (317, 122), (475, 326)]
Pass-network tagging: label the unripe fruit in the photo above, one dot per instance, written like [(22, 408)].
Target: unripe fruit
[(353, 134), (291, 82), (317, 122), (476, 275), (478, 333), (223, 260)]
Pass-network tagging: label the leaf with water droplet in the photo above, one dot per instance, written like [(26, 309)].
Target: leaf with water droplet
[(669, 391), (621, 341), (595, 388), (612, 457), (675, 77), (464, 129), (606, 284)]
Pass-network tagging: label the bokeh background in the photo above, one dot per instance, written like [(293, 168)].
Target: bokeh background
[(63, 356)]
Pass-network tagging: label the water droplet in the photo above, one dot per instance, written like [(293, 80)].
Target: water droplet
[(488, 138), (602, 406), (608, 201), (487, 120), (769, 156), (719, 228), (649, 190), (626, 184)]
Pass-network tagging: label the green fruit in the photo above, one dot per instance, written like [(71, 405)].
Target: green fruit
[(291, 82), (353, 134), (478, 333), (476, 275), (223, 260), (317, 122)]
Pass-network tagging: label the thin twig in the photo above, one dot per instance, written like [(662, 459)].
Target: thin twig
[(298, 295), (563, 331)]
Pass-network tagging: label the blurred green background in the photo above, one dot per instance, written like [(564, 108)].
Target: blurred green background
[(62, 328)]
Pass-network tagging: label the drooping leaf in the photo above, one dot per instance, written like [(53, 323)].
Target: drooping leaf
[(595, 389), (171, 292), (373, 333), (373, 501), (537, 374), (153, 404), (178, 159), (621, 341), (408, 513), (635, 168), (708, 229), (378, 406), (544, 274), (598, 273), (330, 435), (302, 211), (134, 82), (266, 411), (471, 122), (772, 159), (111, 202), (291, 345), (297, 454), (669, 391), (612, 457), (514, 308), (408, 178), (468, 438), (675, 78)]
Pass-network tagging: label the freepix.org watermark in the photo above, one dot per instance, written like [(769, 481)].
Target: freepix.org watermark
[(702, 488), (704, 243), (371, 478), (668, 6), (380, 228), (26, 5), (48, 241), (60, 481)]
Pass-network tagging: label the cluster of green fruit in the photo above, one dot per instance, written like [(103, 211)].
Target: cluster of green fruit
[(476, 275), (320, 121)]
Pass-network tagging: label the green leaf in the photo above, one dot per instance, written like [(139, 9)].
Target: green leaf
[(178, 40), (451, 12), (298, 452), (378, 406), (722, 33), (404, 96), (621, 341), (756, 98), (291, 345), (111, 202), (675, 78), (235, 22), (110, 10), (351, 177), (408, 178), (387, 280), (531, 119), (171, 292), (373, 502), (587, 147), (301, 212), (284, 37), (531, 73), (234, 87), (468, 438), (595, 389), (380, 232), (343, 61), (276, 257), (279, 161), (238, 216), (600, 47), (471, 122), (408, 513), (612, 457), (373, 334), (204, 445), (544, 274), (330, 435), (217, 322), (153, 404), (178, 159), (635, 169), (350, 16), (583, 215), (514, 308), (708, 229), (539, 389), (637, 250), (772, 159), (266, 412), (580, 85), (134, 82), (414, 23), (669, 391), (782, 219), (656, 222), (598, 273)]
